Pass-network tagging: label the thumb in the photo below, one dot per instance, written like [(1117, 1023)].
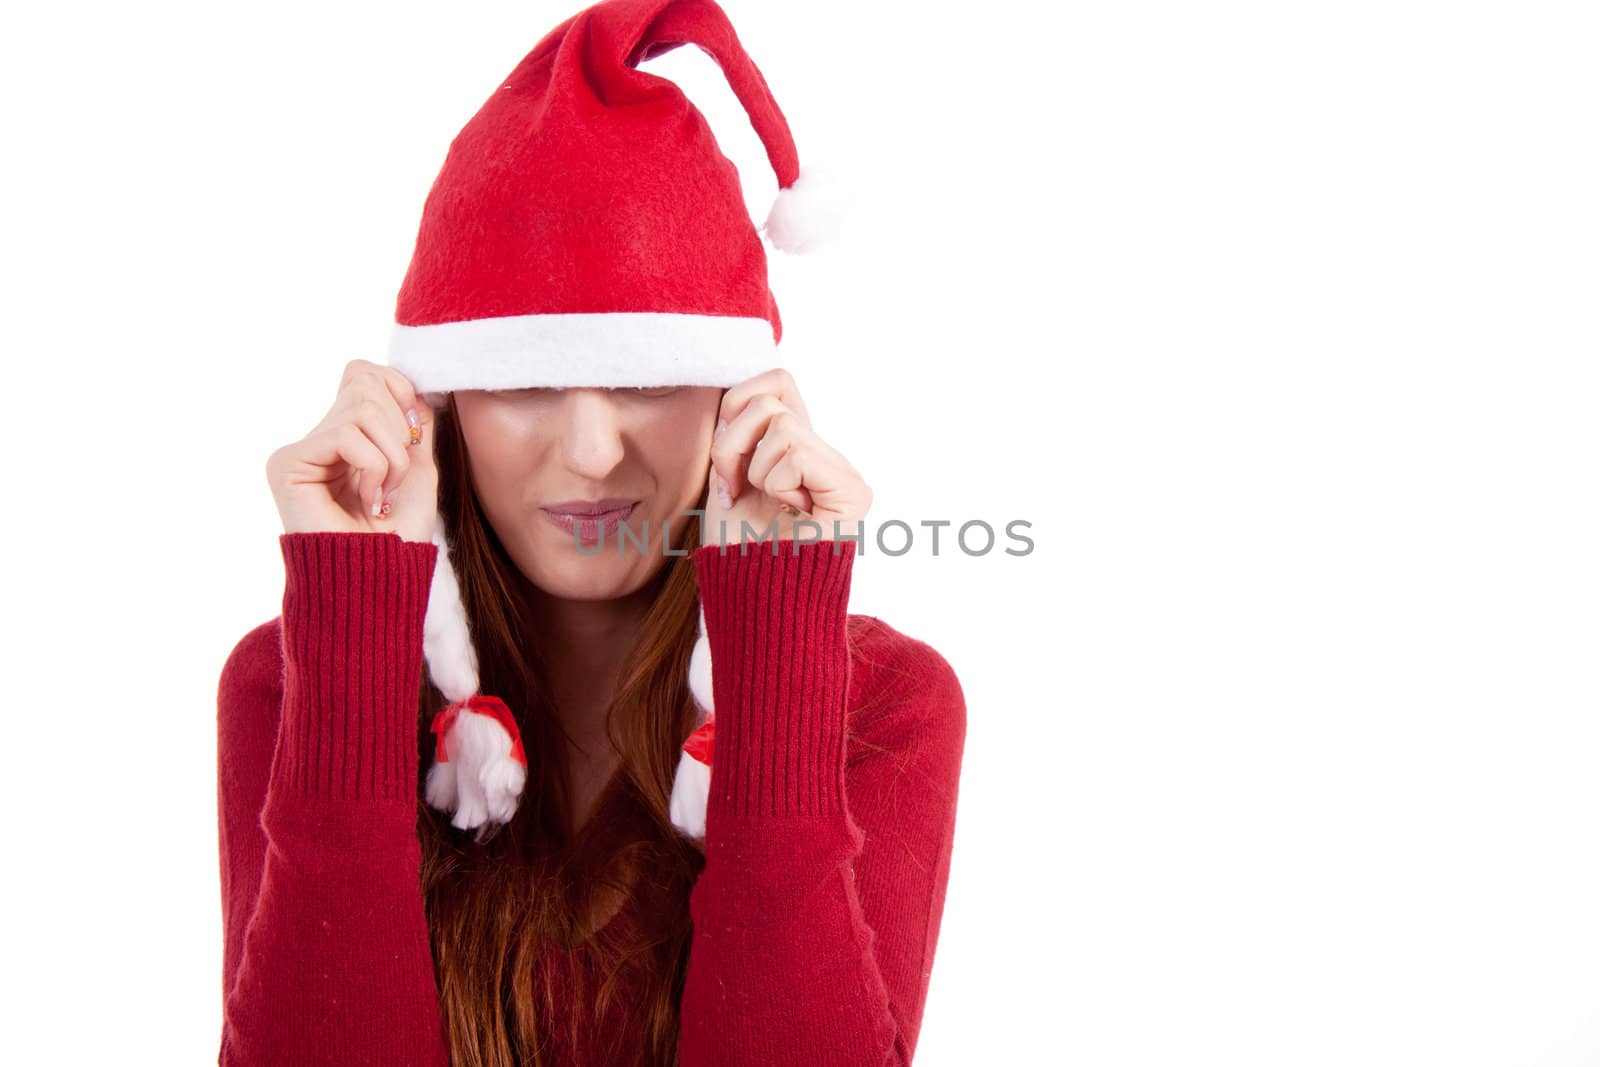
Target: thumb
[(717, 498), (423, 431)]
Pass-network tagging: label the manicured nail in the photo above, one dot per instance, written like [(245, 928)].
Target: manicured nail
[(722, 493), (416, 426), (722, 424)]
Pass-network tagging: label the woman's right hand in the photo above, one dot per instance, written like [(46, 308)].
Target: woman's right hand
[(335, 477)]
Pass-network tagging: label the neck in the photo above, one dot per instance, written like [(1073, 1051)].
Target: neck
[(585, 642)]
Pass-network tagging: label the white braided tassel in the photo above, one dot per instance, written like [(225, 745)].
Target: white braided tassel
[(481, 776), (691, 785), (479, 767)]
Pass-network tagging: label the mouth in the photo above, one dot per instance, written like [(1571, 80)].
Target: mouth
[(591, 507), (586, 519)]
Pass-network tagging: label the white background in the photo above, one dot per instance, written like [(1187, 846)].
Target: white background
[(1277, 321)]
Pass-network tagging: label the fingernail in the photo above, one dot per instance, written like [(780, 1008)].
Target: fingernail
[(416, 426), (377, 506), (722, 492), (722, 424)]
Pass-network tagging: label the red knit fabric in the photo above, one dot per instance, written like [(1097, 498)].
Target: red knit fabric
[(583, 184), (828, 829)]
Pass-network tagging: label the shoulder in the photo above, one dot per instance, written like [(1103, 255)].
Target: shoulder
[(256, 661), (900, 684), (251, 684)]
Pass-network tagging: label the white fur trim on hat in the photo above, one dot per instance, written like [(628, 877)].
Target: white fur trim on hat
[(588, 349)]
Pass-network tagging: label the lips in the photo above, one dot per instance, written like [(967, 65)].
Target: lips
[(584, 520), (591, 508)]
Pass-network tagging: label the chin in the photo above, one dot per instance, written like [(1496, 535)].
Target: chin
[(560, 569), (603, 577)]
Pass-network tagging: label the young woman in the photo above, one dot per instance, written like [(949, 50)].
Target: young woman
[(520, 419)]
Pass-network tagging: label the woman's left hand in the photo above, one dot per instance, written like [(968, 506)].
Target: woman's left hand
[(776, 471)]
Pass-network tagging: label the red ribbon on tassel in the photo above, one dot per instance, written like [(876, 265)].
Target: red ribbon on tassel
[(698, 744), (493, 707)]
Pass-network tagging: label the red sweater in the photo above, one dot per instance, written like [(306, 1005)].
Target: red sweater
[(828, 829)]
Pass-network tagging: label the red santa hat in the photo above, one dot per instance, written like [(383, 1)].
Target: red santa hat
[(586, 230)]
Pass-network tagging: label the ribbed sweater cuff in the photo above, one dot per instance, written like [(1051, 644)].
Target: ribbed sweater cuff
[(776, 624), (353, 608)]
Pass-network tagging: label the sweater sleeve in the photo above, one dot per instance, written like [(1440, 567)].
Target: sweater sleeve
[(332, 964), (817, 912)]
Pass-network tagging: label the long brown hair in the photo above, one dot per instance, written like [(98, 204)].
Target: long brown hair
[(509, 919)]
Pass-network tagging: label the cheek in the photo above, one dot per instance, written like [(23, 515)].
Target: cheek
[(678, 453), (683, 429), (500, 451)]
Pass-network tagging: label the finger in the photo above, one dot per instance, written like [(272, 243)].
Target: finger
[(811, 475), (711, 487), (786, 481), (406, 396), (346, 447), (805, 435), (777, 382), (730, 451), (382, 421), (784, 432), (409, 401), (398, 384), (419, 428)]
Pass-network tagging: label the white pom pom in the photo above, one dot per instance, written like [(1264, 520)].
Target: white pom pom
[(440, 788), (481, 780), (691, 788), (806, 214)]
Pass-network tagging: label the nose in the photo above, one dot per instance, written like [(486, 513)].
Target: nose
[(591, 433)]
